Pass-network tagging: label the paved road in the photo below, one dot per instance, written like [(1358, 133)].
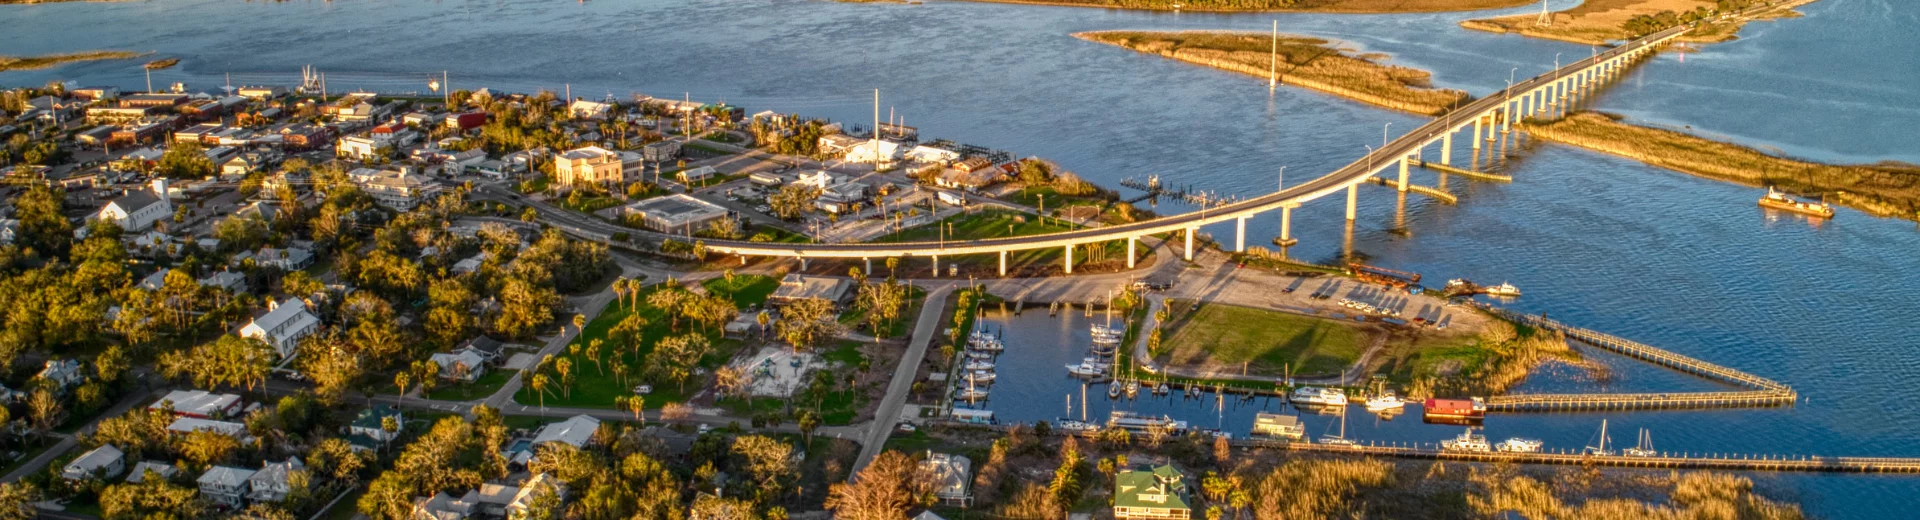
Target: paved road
[(884, 417), (67, 442)]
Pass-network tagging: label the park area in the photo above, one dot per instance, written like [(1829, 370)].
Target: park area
[(596, 381), (1229, 339)]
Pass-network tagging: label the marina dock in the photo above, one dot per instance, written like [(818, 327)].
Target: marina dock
[(1761, 391)]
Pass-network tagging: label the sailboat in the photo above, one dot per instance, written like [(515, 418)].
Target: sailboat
[(1644, 448), (1601, 450), (1341, 439)]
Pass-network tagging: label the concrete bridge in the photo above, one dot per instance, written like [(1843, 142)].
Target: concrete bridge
[(1537, 95)]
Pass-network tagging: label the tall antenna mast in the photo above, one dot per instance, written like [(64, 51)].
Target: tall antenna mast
[(1546, 18), (1273, 60), (876, 126)]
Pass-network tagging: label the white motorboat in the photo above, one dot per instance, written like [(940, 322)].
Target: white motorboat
[(987, 346), (1113, 391), (1518, 445), (979, 365), (1070, 425), (975, 354), (1468, 442), (1319, 396), (1506, 290), (1642, 449), (1085, 369), (1385, 401), (980, 376), (1133, 388), (969, 394)]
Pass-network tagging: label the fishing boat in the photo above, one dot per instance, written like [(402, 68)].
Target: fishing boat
[(1518, 445), (1072, 426), (1134, 421), (1601, 449), (1315, 395), (1105, 349), (980, 365), (1505, 290), (1467, 442), (1642, 449), (1780, 201), (1385, 401), (1089, 367)]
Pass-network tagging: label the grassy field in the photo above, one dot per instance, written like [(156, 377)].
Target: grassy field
[(1325, 6), (594, 388), (8, 63), (1602, 21), (1885, 189), (1304, 61), (996, 223), (1224, 337), (484, 386)]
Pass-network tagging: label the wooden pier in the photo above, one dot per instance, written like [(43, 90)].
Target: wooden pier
[(1483, 176), (1423, 190), (1715, 461), (1761, 392)]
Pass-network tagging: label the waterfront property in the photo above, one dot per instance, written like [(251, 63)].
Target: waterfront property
[(596, 166), (1159, 493), (952, 478)]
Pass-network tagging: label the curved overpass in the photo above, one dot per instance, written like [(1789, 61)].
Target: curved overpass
[(1534, 95)]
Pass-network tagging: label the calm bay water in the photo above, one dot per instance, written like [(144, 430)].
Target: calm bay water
[(1611, 244)]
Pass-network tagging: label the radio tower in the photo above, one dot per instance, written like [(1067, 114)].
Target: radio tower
[(1546, 18)]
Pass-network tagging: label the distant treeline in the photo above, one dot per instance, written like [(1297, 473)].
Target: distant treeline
[(1645, 24)]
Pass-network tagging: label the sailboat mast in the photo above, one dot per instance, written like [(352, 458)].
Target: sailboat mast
[(1273, 60)]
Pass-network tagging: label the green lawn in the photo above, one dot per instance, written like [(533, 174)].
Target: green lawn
[(595, 385), (479, 388), (1267, 342)]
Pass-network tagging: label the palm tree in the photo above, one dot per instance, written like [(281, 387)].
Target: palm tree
[(893, 262), (540, 387), (620, 290), (401, 381), (763, 319), (579, 323), (564, 367)]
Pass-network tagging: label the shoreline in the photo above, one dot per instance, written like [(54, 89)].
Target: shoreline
[(46, 61), (1439, 7), (1884, 189), (1325, 70), (1572, 29)]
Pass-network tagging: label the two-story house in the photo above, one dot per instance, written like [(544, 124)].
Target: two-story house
[(282, 326)]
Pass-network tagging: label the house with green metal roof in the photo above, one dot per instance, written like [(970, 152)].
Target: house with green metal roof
[(1160, 493)]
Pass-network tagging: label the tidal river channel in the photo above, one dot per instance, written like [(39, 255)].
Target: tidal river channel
[(1606, 243)]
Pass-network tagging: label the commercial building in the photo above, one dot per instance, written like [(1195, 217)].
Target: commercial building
[(595, 165), (199, 404), (677, 213)]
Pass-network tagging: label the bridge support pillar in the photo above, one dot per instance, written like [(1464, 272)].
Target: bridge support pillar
[(1506, 118), (1069, 258), (1190, 232), (1003, 264), (1131, 242), (743, 259), (1353, 201), (1477, 121), (869, 268), (1446, 146), (1286, 226), (803, 263), (1240, 235), (1403, 174), (936, 266)]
